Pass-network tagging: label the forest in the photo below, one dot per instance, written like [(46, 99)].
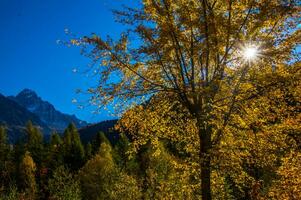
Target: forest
[(210, 102)]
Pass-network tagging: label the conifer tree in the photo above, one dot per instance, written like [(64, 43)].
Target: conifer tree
[(99, 139), (4, 147), (11, 194), (73, 149), (6, 166), (55, 140), (35, 143), (88, 151), (124, 159), (55, 152)]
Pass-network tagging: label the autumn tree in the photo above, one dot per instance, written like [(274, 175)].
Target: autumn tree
[(193, 52), (164, 175), (27, 170), (101, 179), (288, 186), (63, 185)]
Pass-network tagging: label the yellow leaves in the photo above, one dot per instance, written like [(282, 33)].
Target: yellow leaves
[(75, 42), (174, 44), (288, 186), (28, 164), (156, 121)]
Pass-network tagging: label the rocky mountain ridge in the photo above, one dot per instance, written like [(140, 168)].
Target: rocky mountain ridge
[(53, 118)]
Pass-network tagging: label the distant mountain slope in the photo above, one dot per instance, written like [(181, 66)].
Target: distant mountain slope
[(14, 117), (88, 133), (46, 111)]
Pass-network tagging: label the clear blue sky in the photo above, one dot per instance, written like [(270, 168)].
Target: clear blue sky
[(31, 58)]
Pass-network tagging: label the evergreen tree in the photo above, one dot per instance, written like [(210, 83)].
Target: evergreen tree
[(4, 147), (55, 140), (99, 139), (73, 149), (88, 151), (3, 142), (122, 157), (12, 194), (17, 158), (55, 152), (35, 143), (6, 166)]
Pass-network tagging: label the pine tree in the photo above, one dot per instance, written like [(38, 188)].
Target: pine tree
[(123, 158), (73, 149), (35, 143), (11, 194), (99, 139), (55, 153), (6, 166), (4, 147), (55, 140), (88, 151)]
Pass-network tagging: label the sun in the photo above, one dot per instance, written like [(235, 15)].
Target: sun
[(249, 52)]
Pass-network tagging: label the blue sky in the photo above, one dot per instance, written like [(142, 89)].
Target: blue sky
[(31, 58)]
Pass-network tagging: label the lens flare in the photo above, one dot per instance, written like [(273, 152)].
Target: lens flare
[(250, 53)]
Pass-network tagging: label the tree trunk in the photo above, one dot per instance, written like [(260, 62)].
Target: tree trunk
[(205, 161)]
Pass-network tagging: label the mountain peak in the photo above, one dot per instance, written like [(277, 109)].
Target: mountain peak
[(46, 111), (28, 93)]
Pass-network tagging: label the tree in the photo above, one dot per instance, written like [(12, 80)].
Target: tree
[(55, 152), (12, 194), (74, 153), (3, 141), (165, 177), (27, 170), (98, 140), (63, 186), (191, 51), (288, 186), (123, 159), (34, 143), (101, 179), (88, 151), (258, 135), (5, 164), (55, 140)]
